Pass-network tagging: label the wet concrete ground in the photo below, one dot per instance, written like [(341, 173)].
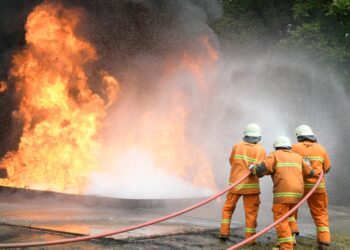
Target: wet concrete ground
[(191, 240), (187, 240), (42, 216)]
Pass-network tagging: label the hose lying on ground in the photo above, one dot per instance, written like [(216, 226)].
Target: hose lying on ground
[(125, 229), (280, 219)]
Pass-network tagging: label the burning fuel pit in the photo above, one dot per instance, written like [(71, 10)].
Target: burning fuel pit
[(89, 129), (83, 215)]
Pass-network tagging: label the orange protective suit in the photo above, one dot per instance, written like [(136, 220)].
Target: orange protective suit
[(243, 154), (287, 170), (318, 201)]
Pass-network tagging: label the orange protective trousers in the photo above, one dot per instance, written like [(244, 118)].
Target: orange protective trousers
[(318, 203), (284, 232), (251, 204)]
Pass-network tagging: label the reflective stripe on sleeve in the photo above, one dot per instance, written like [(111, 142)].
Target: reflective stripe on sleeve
[(315, 158), (311, 185), (245, 186)]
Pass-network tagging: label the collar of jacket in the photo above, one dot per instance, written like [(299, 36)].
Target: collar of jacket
[(251, 139), (310, 138)]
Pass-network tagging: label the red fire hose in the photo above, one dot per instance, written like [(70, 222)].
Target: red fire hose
[(125, 229), (280, 219)]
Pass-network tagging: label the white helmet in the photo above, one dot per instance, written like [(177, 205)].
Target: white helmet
[(252, 129), (282, 142), (303, 130)]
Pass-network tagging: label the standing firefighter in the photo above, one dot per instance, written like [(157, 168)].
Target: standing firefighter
[(315, 153), (287, 169), (243, 154)]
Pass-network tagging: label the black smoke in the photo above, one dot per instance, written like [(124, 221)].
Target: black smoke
[(13, 14)]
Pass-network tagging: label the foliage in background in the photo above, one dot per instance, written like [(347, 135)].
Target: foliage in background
[(319, 29), (323, 27), (247, 25)]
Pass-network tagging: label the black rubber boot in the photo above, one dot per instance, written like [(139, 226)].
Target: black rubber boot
[(322, 246), (223, 237)]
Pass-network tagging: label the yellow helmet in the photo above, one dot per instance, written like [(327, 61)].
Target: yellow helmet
[(253, 130), (282, 142), (303, 130)]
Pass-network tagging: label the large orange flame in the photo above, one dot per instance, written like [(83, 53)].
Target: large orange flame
[(61, 115)]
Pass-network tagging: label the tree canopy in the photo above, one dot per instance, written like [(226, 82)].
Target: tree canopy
[(320, 28)]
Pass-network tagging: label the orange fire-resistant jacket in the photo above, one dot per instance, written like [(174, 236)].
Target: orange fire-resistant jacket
[(243, 154), (287, 169), (319, 160)]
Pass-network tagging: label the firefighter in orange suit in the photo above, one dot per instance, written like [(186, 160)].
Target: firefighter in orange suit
[(315, 153), (287, 169), (243, 154)]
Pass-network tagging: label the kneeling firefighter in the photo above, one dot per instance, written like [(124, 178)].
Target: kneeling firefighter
[(243, 154), (287, 169)]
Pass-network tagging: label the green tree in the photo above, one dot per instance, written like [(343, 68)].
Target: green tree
[(253, 24), (323, 27), (319, 29)]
